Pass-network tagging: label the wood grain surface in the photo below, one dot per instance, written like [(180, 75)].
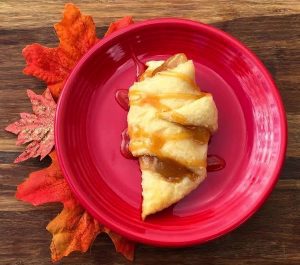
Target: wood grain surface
[(270, 28)]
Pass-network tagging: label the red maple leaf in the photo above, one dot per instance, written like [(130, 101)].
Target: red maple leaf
[(119, 24), (73, 229), (77, 34), (37, 128)]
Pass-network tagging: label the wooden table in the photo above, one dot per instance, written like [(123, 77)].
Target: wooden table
[(270, 28)]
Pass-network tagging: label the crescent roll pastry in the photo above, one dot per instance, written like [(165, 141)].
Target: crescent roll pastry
[(170, 122)]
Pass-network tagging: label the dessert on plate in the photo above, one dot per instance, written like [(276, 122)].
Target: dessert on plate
[(170, 122)]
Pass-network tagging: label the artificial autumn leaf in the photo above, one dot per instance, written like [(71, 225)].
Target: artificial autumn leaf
[(122, 245), (37, 129), (47, 64), (119, 24), (46, 185), (73, 229), (77, 34)]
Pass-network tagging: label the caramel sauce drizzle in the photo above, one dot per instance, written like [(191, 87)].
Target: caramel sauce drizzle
[(180, 76), (198, 134), (178, 118), (171, 170), (150, 99), (140, 94), (140, 98)]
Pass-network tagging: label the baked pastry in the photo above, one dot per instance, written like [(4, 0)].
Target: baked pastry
[(170, 122)]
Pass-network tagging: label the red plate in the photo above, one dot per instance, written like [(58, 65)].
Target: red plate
[(251, 136)]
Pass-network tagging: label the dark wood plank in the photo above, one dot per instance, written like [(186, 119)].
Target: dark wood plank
[(270, 28), (270, 237), (35, 13)]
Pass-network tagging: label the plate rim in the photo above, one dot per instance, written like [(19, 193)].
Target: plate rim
[(275, 91)]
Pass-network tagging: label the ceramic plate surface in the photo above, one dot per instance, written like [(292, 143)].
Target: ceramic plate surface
[(251, 136)]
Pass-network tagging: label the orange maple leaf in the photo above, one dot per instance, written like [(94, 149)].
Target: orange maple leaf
[(77, 34), (122, 245), (73, 229), (46, 185)]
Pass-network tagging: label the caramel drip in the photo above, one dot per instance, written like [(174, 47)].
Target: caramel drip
[(152, 100), (178, 118), (140, 94), (139, 98), (180, 76), (180, 96), (157, 141), (145, 75), (169, 169), (198, 134), (170, 63)]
